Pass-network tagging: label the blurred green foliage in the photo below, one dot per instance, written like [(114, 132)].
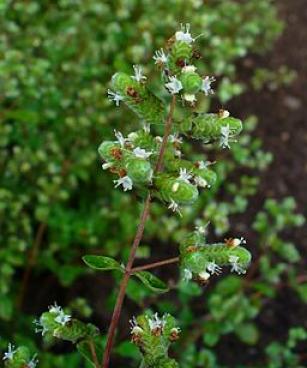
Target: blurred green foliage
[(56, 58)]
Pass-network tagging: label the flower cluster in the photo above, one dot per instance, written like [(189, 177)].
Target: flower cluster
[(133, 160), (57, 324), (153, 335), (19, 357), (199, 260)]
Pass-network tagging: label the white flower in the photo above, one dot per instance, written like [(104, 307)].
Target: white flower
[(120, 138), (174, 138), (174, 207), (156, 323), (10, 352), (39, 327), (238, 241), (187, 274), (188, 68), (206, 85), (224, 140), (33, 362), (158, 139), (235, 266), (203, 164), (204, 275), (138, 74), (55, 308), (184, 175), (184, 34), (125, 181), (107, 165), (160, 57), (202, 229), (141, 153), (178, 153), (146, 128), (62, 318), (135, 328), (201, 182), (190, 98), (213, 268), (224, 114), (174, 85), (132, 136), (175, 187), (114, 96)]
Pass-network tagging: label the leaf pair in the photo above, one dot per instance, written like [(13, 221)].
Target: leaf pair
[(102, 263)]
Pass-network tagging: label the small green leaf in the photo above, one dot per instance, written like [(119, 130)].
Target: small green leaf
[(85, 350), (152, 282), (248, 333), (102, 263)]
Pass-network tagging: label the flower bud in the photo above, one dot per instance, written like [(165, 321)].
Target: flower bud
[(139, 170), (191, 82), (177, 190), (209, 176), (107, 150), (73, 331), (180, 55)]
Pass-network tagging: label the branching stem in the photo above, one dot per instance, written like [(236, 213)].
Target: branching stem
[(155, 264), (136, 242)]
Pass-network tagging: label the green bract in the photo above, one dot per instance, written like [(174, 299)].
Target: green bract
[(209, 126), (107, 150), (138, 98), (191, 82), (153, 335), (139, 170), (174, 189), (179, 56)]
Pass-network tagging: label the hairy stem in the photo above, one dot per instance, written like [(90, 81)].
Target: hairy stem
[(136, 242), (155, 264)]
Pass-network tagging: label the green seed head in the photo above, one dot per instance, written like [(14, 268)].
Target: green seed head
[(139, 170), (191, 82), (177, 190), (107, 150)]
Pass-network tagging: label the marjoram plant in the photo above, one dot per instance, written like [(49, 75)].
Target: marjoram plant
[(155, 168)]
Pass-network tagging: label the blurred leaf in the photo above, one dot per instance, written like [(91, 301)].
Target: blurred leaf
[(302, 291), (84, 349), (128, 350), (6, 308), (248, 333)]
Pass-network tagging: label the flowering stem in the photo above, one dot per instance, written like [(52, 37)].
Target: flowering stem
[(136, 242), (155, 264)]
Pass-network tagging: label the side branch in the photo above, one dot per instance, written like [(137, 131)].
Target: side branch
[(155, 264)]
